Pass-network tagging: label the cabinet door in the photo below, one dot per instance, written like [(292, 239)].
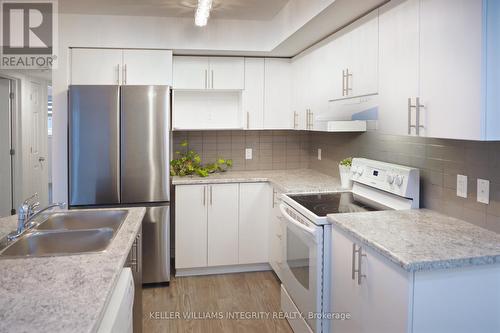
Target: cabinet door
[(385, 294), (277, 97), (364, 56), (339, 50), (227, 73), (253, 95), (147, 67), (451, 45), (190, 72), (398, 65), (96, 66), (345, 292), (255, 211), (191, 226), (300, 87), (275, 235), (222, 224)]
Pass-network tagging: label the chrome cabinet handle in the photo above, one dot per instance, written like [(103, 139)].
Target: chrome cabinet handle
[(347, 76), (357, 270), (343, 82), (353, 262), (204, 195), (410, 106), (211, 195), (125, 74), (274, 197), (118, 74), (417, 107), (295, 119), (311, 119), (206, 78), (212, 79), (248, 120)]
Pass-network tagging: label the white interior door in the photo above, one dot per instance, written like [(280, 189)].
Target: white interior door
[(39, 180), (5, 158)]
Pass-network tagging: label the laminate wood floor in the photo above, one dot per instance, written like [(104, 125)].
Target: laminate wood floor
[(216, 296)]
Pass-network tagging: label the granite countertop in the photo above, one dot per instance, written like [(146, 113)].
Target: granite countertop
[(422, 239), (290, 181), (63, 293)]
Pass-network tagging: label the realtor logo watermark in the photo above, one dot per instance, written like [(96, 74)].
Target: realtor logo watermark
[(28, 34)]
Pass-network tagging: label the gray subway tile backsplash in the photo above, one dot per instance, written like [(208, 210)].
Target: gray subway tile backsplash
[(439, 160)]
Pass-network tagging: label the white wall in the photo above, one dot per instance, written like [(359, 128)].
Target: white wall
[(161, 33)]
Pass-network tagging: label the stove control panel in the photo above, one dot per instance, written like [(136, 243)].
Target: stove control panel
[(396, 179)]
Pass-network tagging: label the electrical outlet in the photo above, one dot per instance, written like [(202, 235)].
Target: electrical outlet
[(462, 186), (483, 191), (248, 153), (319, 154)]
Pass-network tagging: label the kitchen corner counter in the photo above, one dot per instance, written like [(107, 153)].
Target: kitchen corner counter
[(289, 181), (62, 293), (422, 239)]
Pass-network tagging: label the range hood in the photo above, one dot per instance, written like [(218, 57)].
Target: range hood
[(352, 114)]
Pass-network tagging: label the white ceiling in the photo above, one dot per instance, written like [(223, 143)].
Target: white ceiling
[(260, 10)]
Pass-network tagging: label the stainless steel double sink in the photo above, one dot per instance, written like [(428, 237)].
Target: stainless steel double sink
[(69, 232)]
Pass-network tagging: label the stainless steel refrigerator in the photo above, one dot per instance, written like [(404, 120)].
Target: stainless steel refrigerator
[(119, 151)]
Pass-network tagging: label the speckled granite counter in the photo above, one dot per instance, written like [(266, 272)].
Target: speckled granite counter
[(64, 293), (290, 181), (422, 239)]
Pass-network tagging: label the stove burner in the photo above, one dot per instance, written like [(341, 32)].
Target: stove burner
[(331, 203)]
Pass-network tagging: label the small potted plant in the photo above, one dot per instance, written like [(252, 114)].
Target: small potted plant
[(345, 172)]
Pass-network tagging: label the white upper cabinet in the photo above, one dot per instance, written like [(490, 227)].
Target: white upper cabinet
[(200, 73), (147, 67), (355, 50), (253, 95), (116, 66), (437, 69), (190, 72), (451, 59), (398, 65), (364, 61), (278, 112), (227, 73), (96, 66), (300, 91)]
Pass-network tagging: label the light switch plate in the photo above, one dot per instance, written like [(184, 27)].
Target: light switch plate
[(462, 186), (319, 154), (248, 153), (483, 191)]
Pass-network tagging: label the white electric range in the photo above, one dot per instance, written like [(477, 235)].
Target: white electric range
[(306, 242)]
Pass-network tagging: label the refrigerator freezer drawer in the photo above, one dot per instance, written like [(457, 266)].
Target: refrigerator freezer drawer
[(93, 145), (156, 245), (145, 135)]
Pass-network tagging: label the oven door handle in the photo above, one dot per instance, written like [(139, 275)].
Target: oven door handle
[(312, 231)]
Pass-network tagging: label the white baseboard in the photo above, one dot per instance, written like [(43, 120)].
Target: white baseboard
[(222, 269)]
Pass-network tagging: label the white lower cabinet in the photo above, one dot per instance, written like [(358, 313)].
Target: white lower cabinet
[(255, 209), (221, 225), (275, 234), (191, 226), (380, 296)]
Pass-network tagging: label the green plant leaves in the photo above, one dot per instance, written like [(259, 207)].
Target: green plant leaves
[(189, 163)]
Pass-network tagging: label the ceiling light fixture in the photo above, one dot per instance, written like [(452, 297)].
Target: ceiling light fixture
[(202, 12)]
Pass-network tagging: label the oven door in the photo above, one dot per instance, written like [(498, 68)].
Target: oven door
[(302, 244)]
